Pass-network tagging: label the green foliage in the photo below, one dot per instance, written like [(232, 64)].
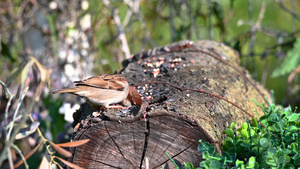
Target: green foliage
[(271, 142), (6, 53), (290, 62), (56, 125), (185, 165), (54, 34)]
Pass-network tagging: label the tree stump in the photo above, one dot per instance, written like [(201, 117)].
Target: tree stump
[(206, 91)]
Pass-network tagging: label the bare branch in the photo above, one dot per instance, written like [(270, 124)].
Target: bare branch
[(121, 32), (287, 10)]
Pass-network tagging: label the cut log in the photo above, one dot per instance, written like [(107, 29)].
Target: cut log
[(191, 91)]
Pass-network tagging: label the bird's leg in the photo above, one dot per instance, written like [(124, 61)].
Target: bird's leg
[(100, 108), (116, 107)]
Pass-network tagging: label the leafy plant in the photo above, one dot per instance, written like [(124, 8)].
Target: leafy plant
[(290, 62), (188, 165), (17, 120), (270, 142)]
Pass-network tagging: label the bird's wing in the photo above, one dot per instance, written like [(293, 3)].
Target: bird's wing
[(113, 82)]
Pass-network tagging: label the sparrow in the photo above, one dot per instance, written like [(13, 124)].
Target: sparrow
[(103, 90)]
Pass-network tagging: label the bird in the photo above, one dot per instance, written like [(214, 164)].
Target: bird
[(104, 90)]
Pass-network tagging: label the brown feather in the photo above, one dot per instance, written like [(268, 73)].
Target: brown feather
[(69, 90), (134, 96), (103, 82)]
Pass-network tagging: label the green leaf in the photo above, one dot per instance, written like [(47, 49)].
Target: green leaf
[(286, 151), (228, 140), (263, 117), (254, 122), (264, 142), (239, 163), (288, 138), (227, 157), (251, 162), (282, 116), (293, 129), (211, 150), (245, 145), (238, 137), (271, 161), (294, 117), (229, 132), (272, 151), (201, 148), (205, 147), (189, 165), (204, 164), (289, 166), (290, 62), (215, 164), (252, 132), (244, 133), (284, 159), (271, 122), (205, 155), (228, 143), (296, 159), (294, 147), (245, 126), (232, 125)]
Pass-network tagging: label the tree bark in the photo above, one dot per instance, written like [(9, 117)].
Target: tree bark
[(206, 90)]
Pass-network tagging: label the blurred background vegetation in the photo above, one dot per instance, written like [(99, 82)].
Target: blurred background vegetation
[(76, 39)]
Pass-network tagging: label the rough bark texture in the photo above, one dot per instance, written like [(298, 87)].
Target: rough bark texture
[(171, 120)]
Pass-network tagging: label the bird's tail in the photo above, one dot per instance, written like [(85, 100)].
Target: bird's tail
[(68, 90)]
